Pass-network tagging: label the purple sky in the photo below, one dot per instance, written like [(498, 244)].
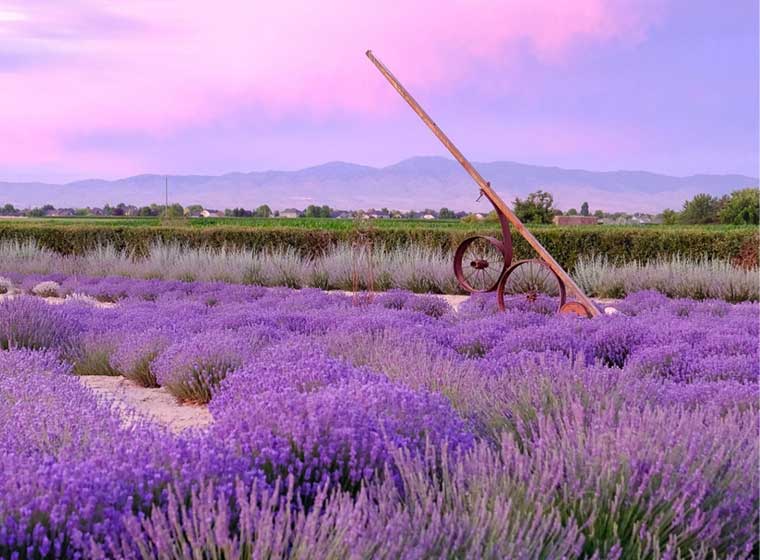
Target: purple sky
[(109, 89)]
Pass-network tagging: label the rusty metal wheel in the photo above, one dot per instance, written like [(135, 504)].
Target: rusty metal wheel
[(479, 263), (526, 280)]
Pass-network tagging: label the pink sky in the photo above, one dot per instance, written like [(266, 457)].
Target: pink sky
[(108, 89)]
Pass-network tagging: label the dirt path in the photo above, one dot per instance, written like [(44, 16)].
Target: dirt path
[(156, 404)]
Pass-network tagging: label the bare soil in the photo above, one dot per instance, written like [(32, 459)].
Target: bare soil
[(155, 404)]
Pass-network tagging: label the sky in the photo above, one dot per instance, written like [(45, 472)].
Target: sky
[(110, 89)]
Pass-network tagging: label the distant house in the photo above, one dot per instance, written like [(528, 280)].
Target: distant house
[(575, 220), (478, 216), (341, 215), (61, 213), (638, 219), (290, 213), (428, 217), (212, 214)]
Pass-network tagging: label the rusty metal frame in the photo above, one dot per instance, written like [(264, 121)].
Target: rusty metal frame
[(583, 305)]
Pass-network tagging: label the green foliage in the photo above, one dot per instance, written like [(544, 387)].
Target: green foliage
[(238, 213), (572, 212), (742, 208), (584, 209), (263, 211), (669, 217), (702, 209), (620, 244), (174, 211), (8, 210), (536, 209), (446, 214), (313, 211)]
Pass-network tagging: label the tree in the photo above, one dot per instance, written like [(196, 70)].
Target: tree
[(8, 210), (145, 211), (446, 214), (263, 211), (571, 212), (742, 207), (599, 214), (669, 217), (175, 211), (313, 211), (584, 209), (702, 209), (536, 208), (194, 209)]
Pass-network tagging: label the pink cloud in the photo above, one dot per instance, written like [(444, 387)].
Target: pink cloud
[(156, 67)]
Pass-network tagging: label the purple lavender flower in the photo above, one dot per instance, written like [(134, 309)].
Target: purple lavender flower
[(192, 368), (340, 433)]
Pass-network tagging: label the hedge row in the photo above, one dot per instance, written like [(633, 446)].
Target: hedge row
[(619, 244)]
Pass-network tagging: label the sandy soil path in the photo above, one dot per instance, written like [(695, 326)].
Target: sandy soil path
[(156, 404)]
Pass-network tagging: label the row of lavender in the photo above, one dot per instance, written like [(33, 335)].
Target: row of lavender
[(415, 268), (394, 428)]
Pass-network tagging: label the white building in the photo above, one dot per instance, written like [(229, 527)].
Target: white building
[(290, 213)]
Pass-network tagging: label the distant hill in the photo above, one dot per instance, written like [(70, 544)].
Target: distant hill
[(416, 183)]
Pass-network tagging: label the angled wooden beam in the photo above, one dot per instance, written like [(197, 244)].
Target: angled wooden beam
[(485, 187)]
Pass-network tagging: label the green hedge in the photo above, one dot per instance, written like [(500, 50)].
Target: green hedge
[(566, 244)]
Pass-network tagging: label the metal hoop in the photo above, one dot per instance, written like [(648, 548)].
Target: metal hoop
[(473, 275), (546, 275)]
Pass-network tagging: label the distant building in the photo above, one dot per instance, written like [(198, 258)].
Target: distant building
[(428, 217), (61, 213), (212, 213), (637, 219), (290, 213), (575, 220)]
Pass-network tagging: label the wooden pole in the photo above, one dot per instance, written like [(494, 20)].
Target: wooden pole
[(485, 187)]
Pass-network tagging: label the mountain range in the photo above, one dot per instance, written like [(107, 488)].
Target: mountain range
[(415, 183)]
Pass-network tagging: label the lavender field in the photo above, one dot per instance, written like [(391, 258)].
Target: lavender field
[(374, 427)]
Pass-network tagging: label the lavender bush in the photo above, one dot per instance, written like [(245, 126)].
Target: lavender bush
[(676, 277), (389, 427)]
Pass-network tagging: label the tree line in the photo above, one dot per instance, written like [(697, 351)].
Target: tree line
[(741, 207), (738, 208)]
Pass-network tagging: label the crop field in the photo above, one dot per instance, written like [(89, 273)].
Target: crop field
[(301, 223), (333, 224), (374, 426)]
